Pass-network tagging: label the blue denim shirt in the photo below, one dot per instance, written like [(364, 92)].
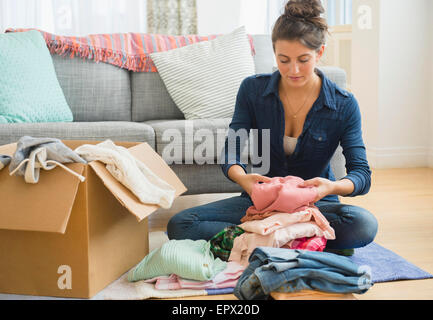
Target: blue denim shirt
[(334, 119)]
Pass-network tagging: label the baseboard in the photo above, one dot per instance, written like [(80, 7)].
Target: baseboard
[(409, 157)]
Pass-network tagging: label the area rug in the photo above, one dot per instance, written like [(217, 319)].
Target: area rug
[(386, 265)]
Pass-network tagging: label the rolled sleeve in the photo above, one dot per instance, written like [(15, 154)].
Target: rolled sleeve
[(358, 170)]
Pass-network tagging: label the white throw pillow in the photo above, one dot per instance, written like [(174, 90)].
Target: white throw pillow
[(203, 78)]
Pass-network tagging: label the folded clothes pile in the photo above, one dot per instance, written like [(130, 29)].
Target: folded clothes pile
[(280, 244), (288, 270), (186, 264), (282, 216)]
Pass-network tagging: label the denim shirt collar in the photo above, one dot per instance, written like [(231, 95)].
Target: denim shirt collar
[(327, 92)]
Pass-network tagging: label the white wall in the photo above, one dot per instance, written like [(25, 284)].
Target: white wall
[(365, 72), (430, 10), (403, 79), (391, 81)]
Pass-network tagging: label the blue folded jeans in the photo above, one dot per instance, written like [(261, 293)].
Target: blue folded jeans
[(354, 226), (287, 270)]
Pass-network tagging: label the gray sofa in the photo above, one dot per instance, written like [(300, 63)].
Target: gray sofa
[(112, 103)]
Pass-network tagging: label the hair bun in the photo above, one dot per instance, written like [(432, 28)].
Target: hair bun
[(304, 9)]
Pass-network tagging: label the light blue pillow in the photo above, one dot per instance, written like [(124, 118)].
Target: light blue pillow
[(29, 89)]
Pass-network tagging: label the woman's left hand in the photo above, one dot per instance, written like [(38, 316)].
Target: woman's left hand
[(324, 186)]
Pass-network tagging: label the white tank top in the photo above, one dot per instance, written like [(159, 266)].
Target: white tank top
[(289, 144)]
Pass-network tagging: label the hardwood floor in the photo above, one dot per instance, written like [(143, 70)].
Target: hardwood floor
[(402, 201)]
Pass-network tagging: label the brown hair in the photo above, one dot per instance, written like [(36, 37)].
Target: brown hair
[(301, 21)]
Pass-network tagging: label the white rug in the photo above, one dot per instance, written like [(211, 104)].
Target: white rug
[(122, 289)]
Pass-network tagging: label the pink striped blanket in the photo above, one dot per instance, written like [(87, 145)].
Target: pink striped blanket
[(126, 50)]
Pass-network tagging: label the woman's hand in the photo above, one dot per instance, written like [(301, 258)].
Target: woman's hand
[(324, 187), (247, 181)]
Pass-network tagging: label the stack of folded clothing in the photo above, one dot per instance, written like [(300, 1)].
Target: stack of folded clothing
[(282, 216), (186, 264), (288, 270)]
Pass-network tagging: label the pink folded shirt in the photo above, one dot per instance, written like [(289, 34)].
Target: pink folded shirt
[(284, 194), (227, 278), (244, 244), (277, 220)]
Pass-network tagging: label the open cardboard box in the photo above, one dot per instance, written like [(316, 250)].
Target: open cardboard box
[(66, 238)]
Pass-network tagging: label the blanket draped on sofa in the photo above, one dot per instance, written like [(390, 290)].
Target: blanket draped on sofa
[(126, 50)]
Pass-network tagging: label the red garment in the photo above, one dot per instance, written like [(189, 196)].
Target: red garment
[(311, 244), (284, 194)]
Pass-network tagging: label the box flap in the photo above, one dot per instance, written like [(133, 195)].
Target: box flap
[(44, 206), (8, 149), (154, 162), (73, 144)]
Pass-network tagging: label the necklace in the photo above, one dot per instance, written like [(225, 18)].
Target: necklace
[(294, 115)]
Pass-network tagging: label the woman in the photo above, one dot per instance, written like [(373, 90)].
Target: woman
[(309, 116)]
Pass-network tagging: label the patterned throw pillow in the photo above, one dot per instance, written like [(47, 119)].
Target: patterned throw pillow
[(29, 89), (203, 78)]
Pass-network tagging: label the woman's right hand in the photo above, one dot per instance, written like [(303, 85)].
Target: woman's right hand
[(247, 181)]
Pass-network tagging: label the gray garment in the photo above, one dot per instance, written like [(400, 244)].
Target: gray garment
[(46, 150), (4, 161)]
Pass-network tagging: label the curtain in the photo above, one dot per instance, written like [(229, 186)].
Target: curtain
[(74, 17), (174, 17)]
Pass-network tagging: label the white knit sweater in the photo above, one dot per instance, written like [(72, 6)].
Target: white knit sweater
[(133, 174)]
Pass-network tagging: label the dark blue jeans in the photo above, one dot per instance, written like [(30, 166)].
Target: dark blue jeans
[(354, 227)]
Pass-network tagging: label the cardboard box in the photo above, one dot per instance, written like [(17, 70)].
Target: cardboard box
[(66, 238)]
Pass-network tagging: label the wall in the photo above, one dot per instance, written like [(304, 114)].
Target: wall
[(390, 80), (431, 88), (365, 72)]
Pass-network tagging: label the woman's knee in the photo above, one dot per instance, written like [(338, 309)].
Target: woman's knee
[(364, 226), (178, 225)]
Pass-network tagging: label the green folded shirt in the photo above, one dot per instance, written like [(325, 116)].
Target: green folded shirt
[(188, 259)]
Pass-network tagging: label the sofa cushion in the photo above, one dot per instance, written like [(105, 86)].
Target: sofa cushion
[(197, 141), (181, 135), (29, 89), (264, 58), (151, 100), (94, 91), (335, 74), (114, 130), (204, 179), (203, 78)]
